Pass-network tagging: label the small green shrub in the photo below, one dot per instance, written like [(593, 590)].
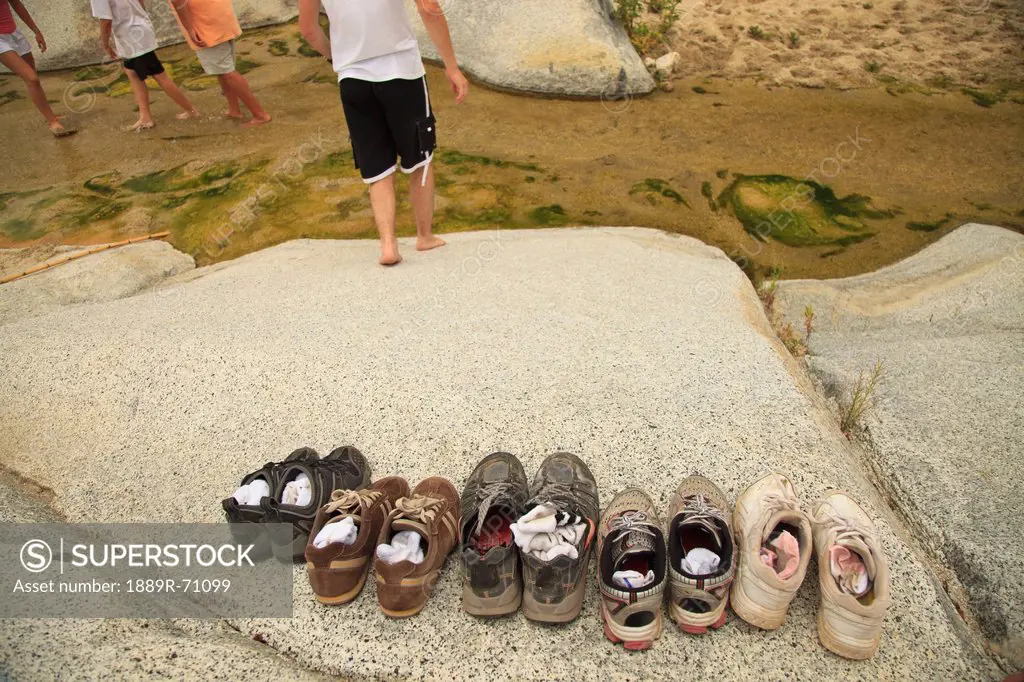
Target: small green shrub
[(861, 400), (647, 37)]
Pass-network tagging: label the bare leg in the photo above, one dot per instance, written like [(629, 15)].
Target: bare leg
[(236, 83), (141, 93), (382, 199), (175, 93), (234, 111), (24, 68), (421, 195)]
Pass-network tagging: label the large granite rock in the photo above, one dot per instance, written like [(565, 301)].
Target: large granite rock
[(102, 276), (647, 354), (72, 34), (947, 432), (570, 47)]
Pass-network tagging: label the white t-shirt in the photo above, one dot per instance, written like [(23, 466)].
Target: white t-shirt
[(132, 29), (372, 40)]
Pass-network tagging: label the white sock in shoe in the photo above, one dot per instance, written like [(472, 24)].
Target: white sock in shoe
[(297, 492), (632, 580), (404, 546), (252, 492), (343, 531), (544, 534), (700, 561)]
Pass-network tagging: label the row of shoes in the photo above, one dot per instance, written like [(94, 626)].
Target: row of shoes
[(529, 545)]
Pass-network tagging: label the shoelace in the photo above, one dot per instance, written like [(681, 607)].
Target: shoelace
[(629, 522), (555, 495), (698, 510), (487, 494), (418, 507), (351, 500), (847, 528), (775, 502)]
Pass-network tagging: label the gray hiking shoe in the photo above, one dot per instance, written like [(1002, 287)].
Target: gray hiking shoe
[(494, 497), (555, 574)]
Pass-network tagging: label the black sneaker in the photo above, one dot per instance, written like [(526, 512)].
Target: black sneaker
[(554, 590), (344, 469), (494, 497), (247, 519)]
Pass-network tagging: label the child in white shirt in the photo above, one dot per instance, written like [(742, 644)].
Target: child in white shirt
[(135, 43)]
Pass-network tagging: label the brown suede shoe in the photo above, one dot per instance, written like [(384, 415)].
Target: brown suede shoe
[(431, 512), (337, 571)]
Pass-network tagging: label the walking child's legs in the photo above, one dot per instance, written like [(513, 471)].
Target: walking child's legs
[(382, 200), (421, 196), (234, 110), (141, 93), (234, 85), (24, 68), (174, 92)]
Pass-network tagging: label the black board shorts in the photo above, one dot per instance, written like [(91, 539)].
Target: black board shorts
[(145, 65), (388, 120)]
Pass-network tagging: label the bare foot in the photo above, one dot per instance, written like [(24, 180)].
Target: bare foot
[(389, 254), (59, 130), (140, 125), (237, 115), (185, 115), (428, 243), (257, 121)]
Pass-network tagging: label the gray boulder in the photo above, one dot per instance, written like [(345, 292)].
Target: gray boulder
[(946, 432), (103, 276), (571, 47)]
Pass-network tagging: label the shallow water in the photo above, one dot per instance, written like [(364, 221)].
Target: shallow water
[(804, 183)]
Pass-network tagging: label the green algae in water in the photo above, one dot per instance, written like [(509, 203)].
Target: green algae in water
[(103, 184), (90, 73), (20, 229), (924, 226), (798, 213), (175, 202), (10, 96), (983, 98), (305, 49), (652, 188), (175, 179), (278, 47), (548, 215), (244, 65), (451, 157), (331, 79)]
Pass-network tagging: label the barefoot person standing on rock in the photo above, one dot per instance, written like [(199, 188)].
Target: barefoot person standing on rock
[(386, 102), (210, 28), (16, 55)]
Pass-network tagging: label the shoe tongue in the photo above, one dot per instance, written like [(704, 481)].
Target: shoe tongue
[(408, 524), (782, 516), (634, 542), (708, 525)]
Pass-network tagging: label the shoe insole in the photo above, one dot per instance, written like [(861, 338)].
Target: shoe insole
[(496, 532)]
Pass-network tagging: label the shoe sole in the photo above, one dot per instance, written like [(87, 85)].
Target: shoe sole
[(751, 612), (430, 579), (642, 642), (698, 623), (701, 629), (837, 644), (502, 605), (564, 611), (345, 597)]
